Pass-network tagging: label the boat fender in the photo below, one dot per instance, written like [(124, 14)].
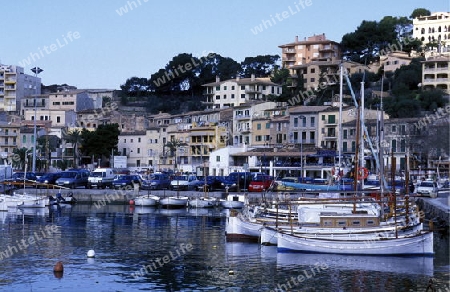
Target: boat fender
[(363, 173), (59, 268)]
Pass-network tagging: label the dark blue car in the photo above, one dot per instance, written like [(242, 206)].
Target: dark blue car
[(156, 181), (127, 181)]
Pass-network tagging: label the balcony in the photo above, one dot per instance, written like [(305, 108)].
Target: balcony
[(242, 117), (330, 123), (253, 90)]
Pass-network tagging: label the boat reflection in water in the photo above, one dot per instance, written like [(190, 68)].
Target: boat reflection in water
[(400, 265)]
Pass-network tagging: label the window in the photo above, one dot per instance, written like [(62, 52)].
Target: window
[(131, 141), (344, 146), (268, 125), (304, 122), (394, 145), (217, 158), (232, 96), (323, 117), (402, 145), (295, 122), (139, 140), (224, 96), (24, 139), (353, 146), (124, 140), (243, 95), (258, 126), (58, 119), (331, 119), (224, 87), (345, 134), (242, 87), (217, 96), (313, 121), (313, 79), (218, 88), (139, 150), (394, 128), (232, 87), (313, 70)]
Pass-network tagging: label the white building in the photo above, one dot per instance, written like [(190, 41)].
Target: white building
[(235, 92), (14, 85), (433, 29)]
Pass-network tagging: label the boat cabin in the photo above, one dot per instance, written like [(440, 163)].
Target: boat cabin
[(349, 221)]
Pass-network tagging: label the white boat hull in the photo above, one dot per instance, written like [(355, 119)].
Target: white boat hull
[(421, 244), (238, 229), (202, 203), (269, 236), (174, 202), (146, 201)]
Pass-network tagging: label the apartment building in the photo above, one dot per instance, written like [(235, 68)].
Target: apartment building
[(320, 74), (434, 28), (14, 85), (435, 72), (394, 60), (401, 137), (328, 125), (242, 120), (236, 92), (76, 100), (313, 48), (9, 139)]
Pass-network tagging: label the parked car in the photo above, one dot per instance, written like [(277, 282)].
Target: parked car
[(101, 178), (260, 183), (73, 178), (237, 181), (49, 178), (213, 183), (156, 181), (427, 188), (185, 182), (127, 181), (18, 178)]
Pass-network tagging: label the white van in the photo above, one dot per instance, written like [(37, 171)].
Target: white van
[(101, 178)]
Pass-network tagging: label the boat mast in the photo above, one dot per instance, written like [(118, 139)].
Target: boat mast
[(341, 80)]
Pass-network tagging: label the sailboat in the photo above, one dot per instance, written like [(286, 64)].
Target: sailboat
[(328, 239)]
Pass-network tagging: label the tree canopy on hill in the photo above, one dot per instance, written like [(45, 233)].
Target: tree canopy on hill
[(372, 38), (178, 86)]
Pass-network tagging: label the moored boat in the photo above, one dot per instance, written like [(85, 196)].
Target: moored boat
[(420, 243), (202, 202), (146, 200), (174, 202), (233, 201)]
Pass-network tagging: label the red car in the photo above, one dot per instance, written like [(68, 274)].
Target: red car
[(260, 183)]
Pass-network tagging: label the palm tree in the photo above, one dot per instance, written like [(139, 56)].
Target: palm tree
[(20, 158), (73, 137), (173, 146)]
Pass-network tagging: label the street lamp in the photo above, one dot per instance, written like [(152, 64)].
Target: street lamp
[(36, 71), (301, 146)]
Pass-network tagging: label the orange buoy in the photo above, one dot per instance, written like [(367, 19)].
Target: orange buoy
[(58, 268), (131, 202)]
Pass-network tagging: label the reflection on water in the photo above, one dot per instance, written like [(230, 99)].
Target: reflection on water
[(146, 248)]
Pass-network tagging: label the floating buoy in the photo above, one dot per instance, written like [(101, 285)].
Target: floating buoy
[(91, 253), (58, 268), (230, 272), (131, 202)]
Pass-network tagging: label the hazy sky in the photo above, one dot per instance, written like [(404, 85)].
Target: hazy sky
[(99, 44)]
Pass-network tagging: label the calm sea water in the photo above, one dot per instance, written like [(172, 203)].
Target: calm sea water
[(146, 249)]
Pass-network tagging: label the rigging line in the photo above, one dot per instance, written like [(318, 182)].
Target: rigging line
[(377, 161)]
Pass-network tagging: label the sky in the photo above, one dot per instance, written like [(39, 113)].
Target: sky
[(99, 44)]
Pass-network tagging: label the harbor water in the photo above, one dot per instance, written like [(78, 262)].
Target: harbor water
[(151, 249)]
